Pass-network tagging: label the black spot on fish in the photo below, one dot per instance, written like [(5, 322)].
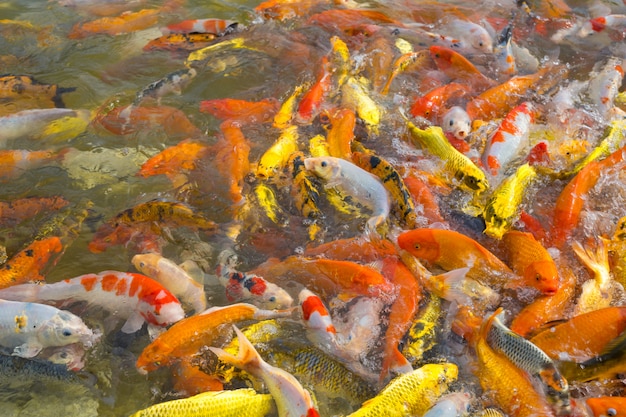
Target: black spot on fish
[(29, 252)]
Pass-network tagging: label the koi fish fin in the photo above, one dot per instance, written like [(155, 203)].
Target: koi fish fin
[(134, 323), (27, 350), (155, 331), (247, 358), (453, 284)]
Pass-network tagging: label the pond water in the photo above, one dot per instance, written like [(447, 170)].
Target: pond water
[(104, 71)]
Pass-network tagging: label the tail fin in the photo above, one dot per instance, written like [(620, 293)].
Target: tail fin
[(247, 359)]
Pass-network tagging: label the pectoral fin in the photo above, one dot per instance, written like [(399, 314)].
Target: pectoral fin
[(134, 323)]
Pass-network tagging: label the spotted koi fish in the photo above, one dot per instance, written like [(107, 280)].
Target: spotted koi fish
[(28, 264)]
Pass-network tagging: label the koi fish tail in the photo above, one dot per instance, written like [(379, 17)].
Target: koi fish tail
[(247, 358), (597, 261), (452, 286)]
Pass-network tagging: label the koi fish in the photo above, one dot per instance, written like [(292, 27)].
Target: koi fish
[(449, 405), (25, 87), (456, 123), (604, 85), (607, 406), (511, 136), (609, 363), (452, 250), (139, 236), (242, 402), (458, 68), (266, 198), (456, 165), (232, 155), (351, 180), (187, 336), (354, 95), (356, 249), (529, 259), (321, 330), (341, 132), (277, 156), (431, 105), (175, 160), (407, 60), (241, 110), (172, 120), (15, 211), (173, 277), (504, 206), (311, 102), (504, 382), (127, 22), (13, 163), (303, 190), (245, 286), (291, 399), (422, 335), (392, 181), (172, 83), (612, 139), (424, 198), (597, 292), (27, 328), (217, 27), (29, 263), (44, 124), (180, 42), (580, 338), (414, 392), (528, 357), (475, 39), (286, 112), (129, 296)]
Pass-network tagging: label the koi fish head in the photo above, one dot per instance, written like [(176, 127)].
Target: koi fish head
[(275, 297), (154, 356), (543, 276), (442, 56), (420, 243), (65, 328), (146, 263), (324, 167), (314, 312)]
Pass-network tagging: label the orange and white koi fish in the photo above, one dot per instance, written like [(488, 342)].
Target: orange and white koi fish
[(511, 136), (457, 125), (129, 296), (186, 337), (15, 162), (173, 277), (431, 105), (596, 293), (27, 328), (29, 263), (127, 22), (291, 399), (218, 27), (246, 286), (604, 84), (321, 329)]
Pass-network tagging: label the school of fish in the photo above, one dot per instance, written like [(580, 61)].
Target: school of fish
[(302, 208)]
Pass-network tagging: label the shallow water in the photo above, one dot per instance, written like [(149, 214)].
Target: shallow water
[(100, 166)]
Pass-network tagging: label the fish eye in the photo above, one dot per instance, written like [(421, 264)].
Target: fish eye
[(142, 264), (611, 412), (67, 333), (451, 122), (480, 44), (417, 246), (427, 113), (272, 299), (324, 164), (538, 277)]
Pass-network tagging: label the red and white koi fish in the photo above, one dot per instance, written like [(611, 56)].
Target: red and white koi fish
[(243, 286), (27, 328), (127, 295), (218, 27), (604, 85), (509, 138), (456, 124), (291, 399), (173, 277)]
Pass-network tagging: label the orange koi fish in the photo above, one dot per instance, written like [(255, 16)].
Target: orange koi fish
[(129, 296), (186, 337), (16, 211), (311, 102), (497, 101), (347, 20), (457, 67), (402, 312), (127, 22), (241, 110), (29, 263), (217, 27), (450, 250), (233, 157), (505, 383), (570, 202), (355, 249), (173, 121), (176, 160), (180, 42), (584, 336), (139, 237), (340, 132), (24, 88), (548, 307), (422, 195), (14, 162), (327, 276), (530, 260), (431, 105)]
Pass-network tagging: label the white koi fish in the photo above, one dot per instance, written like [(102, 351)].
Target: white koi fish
[(243, 286), (133, 297), (510, 137), (604, 84), (27, 328), (353, 181), (39, 123), (291, 399), (474, 38), (174, 278), (457, 122)]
